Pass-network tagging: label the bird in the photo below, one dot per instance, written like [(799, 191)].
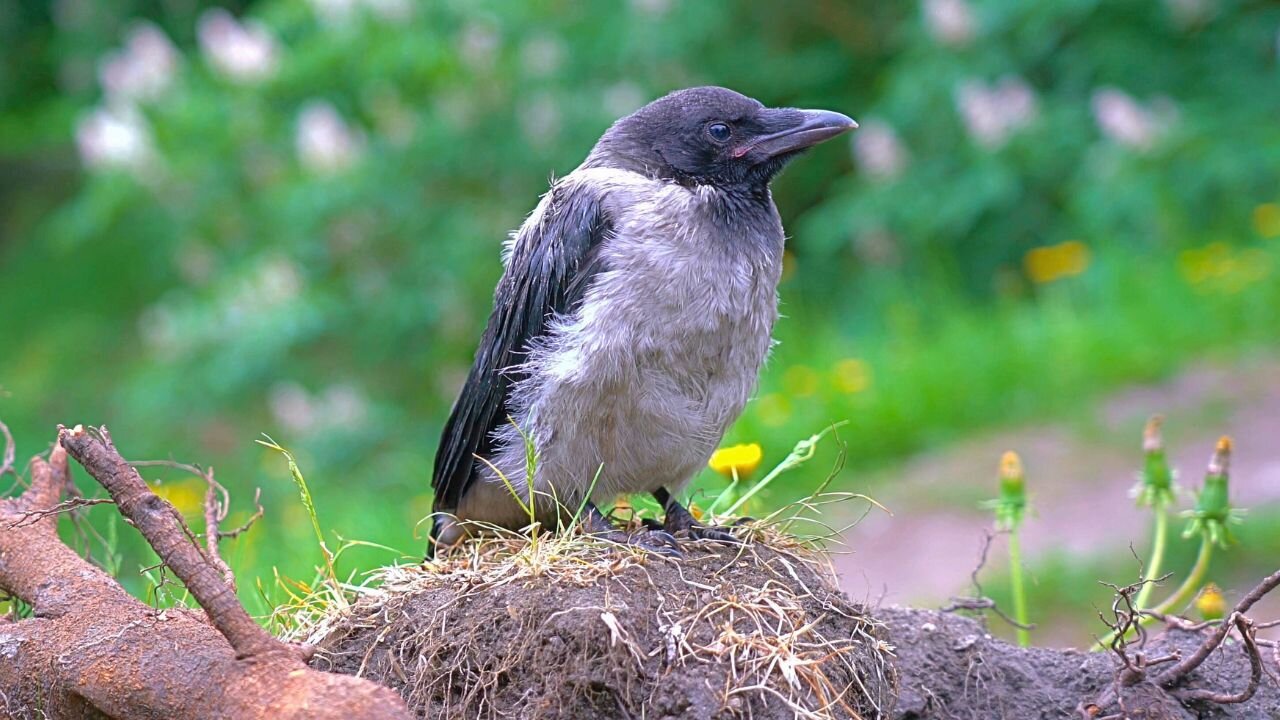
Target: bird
[(630, 324)]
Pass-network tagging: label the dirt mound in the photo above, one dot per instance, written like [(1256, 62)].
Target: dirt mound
[(569, 628), (951, 668)]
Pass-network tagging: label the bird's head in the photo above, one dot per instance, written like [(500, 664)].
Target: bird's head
[(713, 136)]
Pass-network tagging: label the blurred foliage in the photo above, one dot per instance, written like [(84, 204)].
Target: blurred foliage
[(289, 216)]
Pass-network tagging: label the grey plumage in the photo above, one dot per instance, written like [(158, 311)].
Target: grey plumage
[(633, 316)]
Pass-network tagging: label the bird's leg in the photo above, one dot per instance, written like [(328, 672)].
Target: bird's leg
[(680, 519), (595, 524)]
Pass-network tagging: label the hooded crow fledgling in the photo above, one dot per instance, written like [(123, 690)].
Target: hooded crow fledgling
[(631, 323)]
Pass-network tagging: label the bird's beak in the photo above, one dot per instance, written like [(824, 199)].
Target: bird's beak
[(810, 128)]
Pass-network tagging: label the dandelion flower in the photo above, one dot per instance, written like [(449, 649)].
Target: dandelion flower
[(1211, 604), (185, 495), (737, 460), (1054, 262)]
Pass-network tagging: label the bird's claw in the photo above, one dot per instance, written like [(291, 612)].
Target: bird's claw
[(658, 542), (718, 534), (681, 521)]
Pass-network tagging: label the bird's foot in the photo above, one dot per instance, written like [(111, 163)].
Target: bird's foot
[(655, 540), (680, 520)]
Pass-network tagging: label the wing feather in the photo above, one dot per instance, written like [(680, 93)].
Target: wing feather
[(550, 267)]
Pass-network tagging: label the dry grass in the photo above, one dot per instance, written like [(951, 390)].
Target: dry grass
[(535, 624), (567, 626)]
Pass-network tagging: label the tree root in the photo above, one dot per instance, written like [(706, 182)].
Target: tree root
[(90, 650)]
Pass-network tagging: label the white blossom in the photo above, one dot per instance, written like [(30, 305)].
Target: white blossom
[(878, 150), (950, 22), (1128, 122), (243, 52), (299, 411), (291, 406), (116, 137), (344, 405), (323, 140), (993, 113), (141, 70)]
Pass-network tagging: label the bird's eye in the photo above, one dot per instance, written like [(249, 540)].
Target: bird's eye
[(719, 131)]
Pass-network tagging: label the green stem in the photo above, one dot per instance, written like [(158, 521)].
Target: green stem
[(1019, 594), (1157, 556), (727, 492), (1188, 588)]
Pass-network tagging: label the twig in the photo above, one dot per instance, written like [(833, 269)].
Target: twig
[(1193, 661), (215, 512), (1247, 631), (244, 527), (979, 604), (1134, 672), (10, 450), (207, 475), (32, 516), (159, 524), (1133, 616), (981, 601)]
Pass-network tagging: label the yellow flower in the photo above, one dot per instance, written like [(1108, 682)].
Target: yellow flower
[(185, 495), (740, 459), (1266, 220), (1011, 468), (1211, 604), (1011, 505), (1222, 268), (852, 375), (800, 381), (1054, 262)]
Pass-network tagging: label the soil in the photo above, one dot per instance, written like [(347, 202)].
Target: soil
[(645, 637), (951, 669), (621, 635)]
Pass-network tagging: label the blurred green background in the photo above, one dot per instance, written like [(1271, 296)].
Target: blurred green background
[(282, 216)]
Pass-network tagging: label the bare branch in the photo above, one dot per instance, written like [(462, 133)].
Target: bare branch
[(215, 511), (1193, 661), (980, 602), (66, 506), (1247, 632), (244, 527), (161, 525)]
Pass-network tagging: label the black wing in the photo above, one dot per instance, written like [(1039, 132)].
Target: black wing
[(550, 268)]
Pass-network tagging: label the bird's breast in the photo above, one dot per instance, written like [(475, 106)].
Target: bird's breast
[(665, 348)]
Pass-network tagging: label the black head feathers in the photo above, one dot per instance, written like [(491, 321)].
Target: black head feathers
[(713, 136)]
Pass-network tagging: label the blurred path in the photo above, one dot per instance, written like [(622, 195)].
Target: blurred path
[(1078, 477)]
